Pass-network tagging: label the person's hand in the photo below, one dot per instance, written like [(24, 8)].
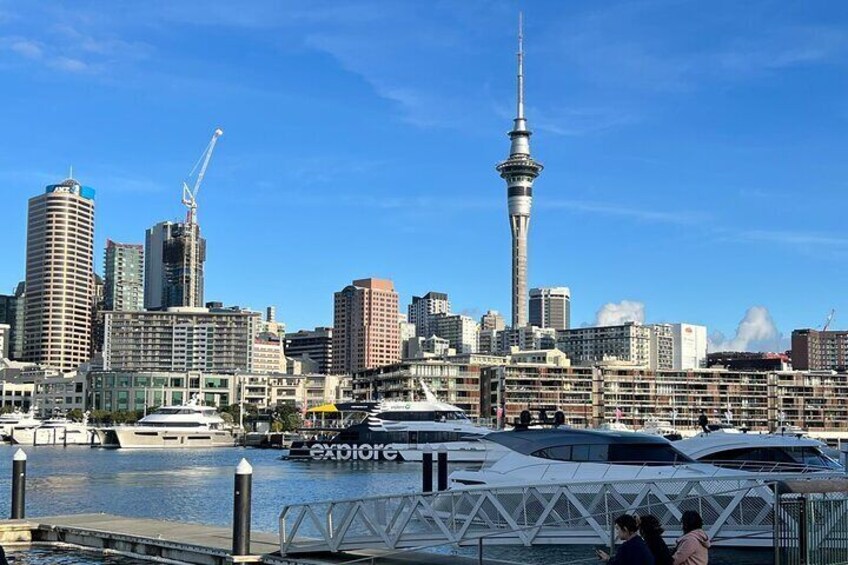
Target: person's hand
[(602, 555)]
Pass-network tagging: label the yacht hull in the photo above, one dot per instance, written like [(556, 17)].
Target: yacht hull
[(53, 436), (458, 451), (141, 438)]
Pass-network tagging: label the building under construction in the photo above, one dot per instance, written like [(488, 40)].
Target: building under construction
[(175, 252), (174, 257)]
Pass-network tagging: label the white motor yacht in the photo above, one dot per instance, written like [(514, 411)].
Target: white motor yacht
[(759, 453), (533, 456), (399, 430), (55, 431), (17, 418), (187, 425)]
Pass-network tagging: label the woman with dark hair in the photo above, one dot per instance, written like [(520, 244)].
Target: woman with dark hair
[(634, 550), (693, 547), (652, 533)]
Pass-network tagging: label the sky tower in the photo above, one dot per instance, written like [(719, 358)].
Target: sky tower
[(519, 171)]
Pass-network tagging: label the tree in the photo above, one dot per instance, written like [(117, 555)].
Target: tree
[(286, 418), (74, 415)]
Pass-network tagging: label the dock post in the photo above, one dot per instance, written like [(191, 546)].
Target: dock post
[(241, 508), (442, 467), (19, 485), (427, 469)]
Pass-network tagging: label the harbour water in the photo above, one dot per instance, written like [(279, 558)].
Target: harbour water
[(196, 486)]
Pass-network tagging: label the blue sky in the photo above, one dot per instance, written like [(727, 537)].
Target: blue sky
[(694, 152)]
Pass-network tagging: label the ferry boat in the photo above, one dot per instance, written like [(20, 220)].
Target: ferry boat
[(55, 431), (397, 430), (773, 453), (188, 425), (17, 418)]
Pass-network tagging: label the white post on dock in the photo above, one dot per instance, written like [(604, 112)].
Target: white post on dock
[(19, 485), (241, 508)]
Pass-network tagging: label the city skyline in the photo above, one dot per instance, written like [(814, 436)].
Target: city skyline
[(758, 225)]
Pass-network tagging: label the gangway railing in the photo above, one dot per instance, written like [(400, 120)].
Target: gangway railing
[(736, 512)]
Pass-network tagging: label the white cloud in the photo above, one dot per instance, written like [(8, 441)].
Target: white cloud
[(614, 314), (755, 332)]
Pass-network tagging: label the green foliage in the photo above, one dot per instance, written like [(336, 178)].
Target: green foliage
[(286, 418), (75, 415)]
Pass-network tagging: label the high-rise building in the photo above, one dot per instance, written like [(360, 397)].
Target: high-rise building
[(492, 320), (550, 307), (124, 267), (816, 350), (460, 331), (316, 346), (59, 276), (269, 353), (662, 347), (12, 314), (422, 310), (366, 333), (519, 171), (181, 339), (174, 254), (628, 343), (690, 346), (98, 312), (5, 337)]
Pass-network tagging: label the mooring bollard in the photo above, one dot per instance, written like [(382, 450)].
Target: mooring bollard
[(427, 469), (19, 485), (241, 508), (442, 466)]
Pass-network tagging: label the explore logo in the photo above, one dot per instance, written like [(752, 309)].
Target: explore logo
[(348, 452)]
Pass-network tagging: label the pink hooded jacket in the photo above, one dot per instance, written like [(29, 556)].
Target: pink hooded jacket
[(692, 549)]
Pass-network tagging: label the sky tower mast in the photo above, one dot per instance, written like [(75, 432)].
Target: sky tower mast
[(519, 171)]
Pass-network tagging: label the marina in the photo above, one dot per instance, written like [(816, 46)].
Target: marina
[(183, 495)]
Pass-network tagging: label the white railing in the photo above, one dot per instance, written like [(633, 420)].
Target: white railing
[(736, 511)]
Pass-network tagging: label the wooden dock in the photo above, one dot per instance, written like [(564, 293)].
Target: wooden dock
[(194, 544)]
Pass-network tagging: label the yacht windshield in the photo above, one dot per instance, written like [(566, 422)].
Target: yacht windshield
[(422, 416), (808, 456), (616, 454)]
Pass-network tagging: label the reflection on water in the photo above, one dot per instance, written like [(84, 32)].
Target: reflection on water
[(63, 556), (196, 485)]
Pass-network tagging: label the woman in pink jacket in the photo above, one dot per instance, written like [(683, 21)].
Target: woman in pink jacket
[(693, 547)]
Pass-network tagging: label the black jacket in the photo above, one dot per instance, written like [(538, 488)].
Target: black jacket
[(632, 552), (660, 551)]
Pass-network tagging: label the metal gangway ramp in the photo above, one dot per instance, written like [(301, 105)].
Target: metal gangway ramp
[(736, 512)]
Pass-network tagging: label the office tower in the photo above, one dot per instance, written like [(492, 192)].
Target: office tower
[(423, 308), (366, 332), (662, 347), (550, 307), (519, 171), (492, 320), (820, 350), (5, 337), (59, 276), (271, 314), (174, 254), (690, 346), (316, 346), (461, 331), (181, 339), (98, 310), (12, 314), (124, 266)]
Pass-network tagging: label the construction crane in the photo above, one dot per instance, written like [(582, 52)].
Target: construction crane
[(190, 193), (828, 320)]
